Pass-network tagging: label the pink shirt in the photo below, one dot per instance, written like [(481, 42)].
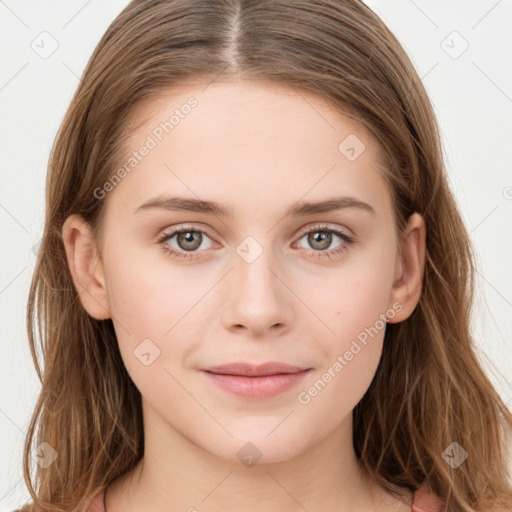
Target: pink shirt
[(423, 501)]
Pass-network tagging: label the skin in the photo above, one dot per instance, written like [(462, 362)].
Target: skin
[(260, 149)]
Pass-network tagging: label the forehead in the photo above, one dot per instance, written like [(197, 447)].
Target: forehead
[(244, 141), (265, 106)]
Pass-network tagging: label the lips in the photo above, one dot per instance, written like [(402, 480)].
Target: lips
[(255, 381), (249, 370)]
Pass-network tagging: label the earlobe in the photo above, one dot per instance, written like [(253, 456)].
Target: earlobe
[(409, 269), (86, 267)]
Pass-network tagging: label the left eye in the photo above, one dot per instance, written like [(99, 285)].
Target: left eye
[(187, 240), (321, 239)]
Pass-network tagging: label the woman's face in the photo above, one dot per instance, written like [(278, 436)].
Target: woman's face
[(248, 170)]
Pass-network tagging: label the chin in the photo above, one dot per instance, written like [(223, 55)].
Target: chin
[(256, 446)]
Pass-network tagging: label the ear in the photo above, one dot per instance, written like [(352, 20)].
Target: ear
[(86, 267), (409, 269)]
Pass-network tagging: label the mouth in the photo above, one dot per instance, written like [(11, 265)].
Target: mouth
[(250, 370), (256, 382)]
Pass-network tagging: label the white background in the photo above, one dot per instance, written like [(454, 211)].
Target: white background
[(472, 95)]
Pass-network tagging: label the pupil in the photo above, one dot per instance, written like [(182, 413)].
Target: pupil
[(190, 240), (322, 238)]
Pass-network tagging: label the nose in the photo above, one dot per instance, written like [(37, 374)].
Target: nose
[(258, 299)]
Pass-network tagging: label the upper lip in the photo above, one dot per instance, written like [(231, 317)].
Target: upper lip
[(250, 370)]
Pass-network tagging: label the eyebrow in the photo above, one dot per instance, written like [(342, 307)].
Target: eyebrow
[(221, 210)]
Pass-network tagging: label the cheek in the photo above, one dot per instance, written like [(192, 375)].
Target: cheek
[(352, 305), (151, 315), (156, 308), (349, 298), (148, 294), (359, 324), (143, 305), (355, 311)]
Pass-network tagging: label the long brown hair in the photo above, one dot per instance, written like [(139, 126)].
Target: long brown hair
[(429, 390)]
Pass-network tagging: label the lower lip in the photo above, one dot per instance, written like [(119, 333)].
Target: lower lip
[(257, 387)]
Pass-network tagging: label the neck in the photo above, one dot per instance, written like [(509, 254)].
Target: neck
[(176, 474)]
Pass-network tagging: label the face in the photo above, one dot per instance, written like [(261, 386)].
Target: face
[(255, 272)]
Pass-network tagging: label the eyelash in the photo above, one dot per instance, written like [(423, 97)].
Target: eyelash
[(194, 254)]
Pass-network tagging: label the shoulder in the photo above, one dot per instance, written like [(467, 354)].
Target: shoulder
[(426, 501), (97, 503)]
